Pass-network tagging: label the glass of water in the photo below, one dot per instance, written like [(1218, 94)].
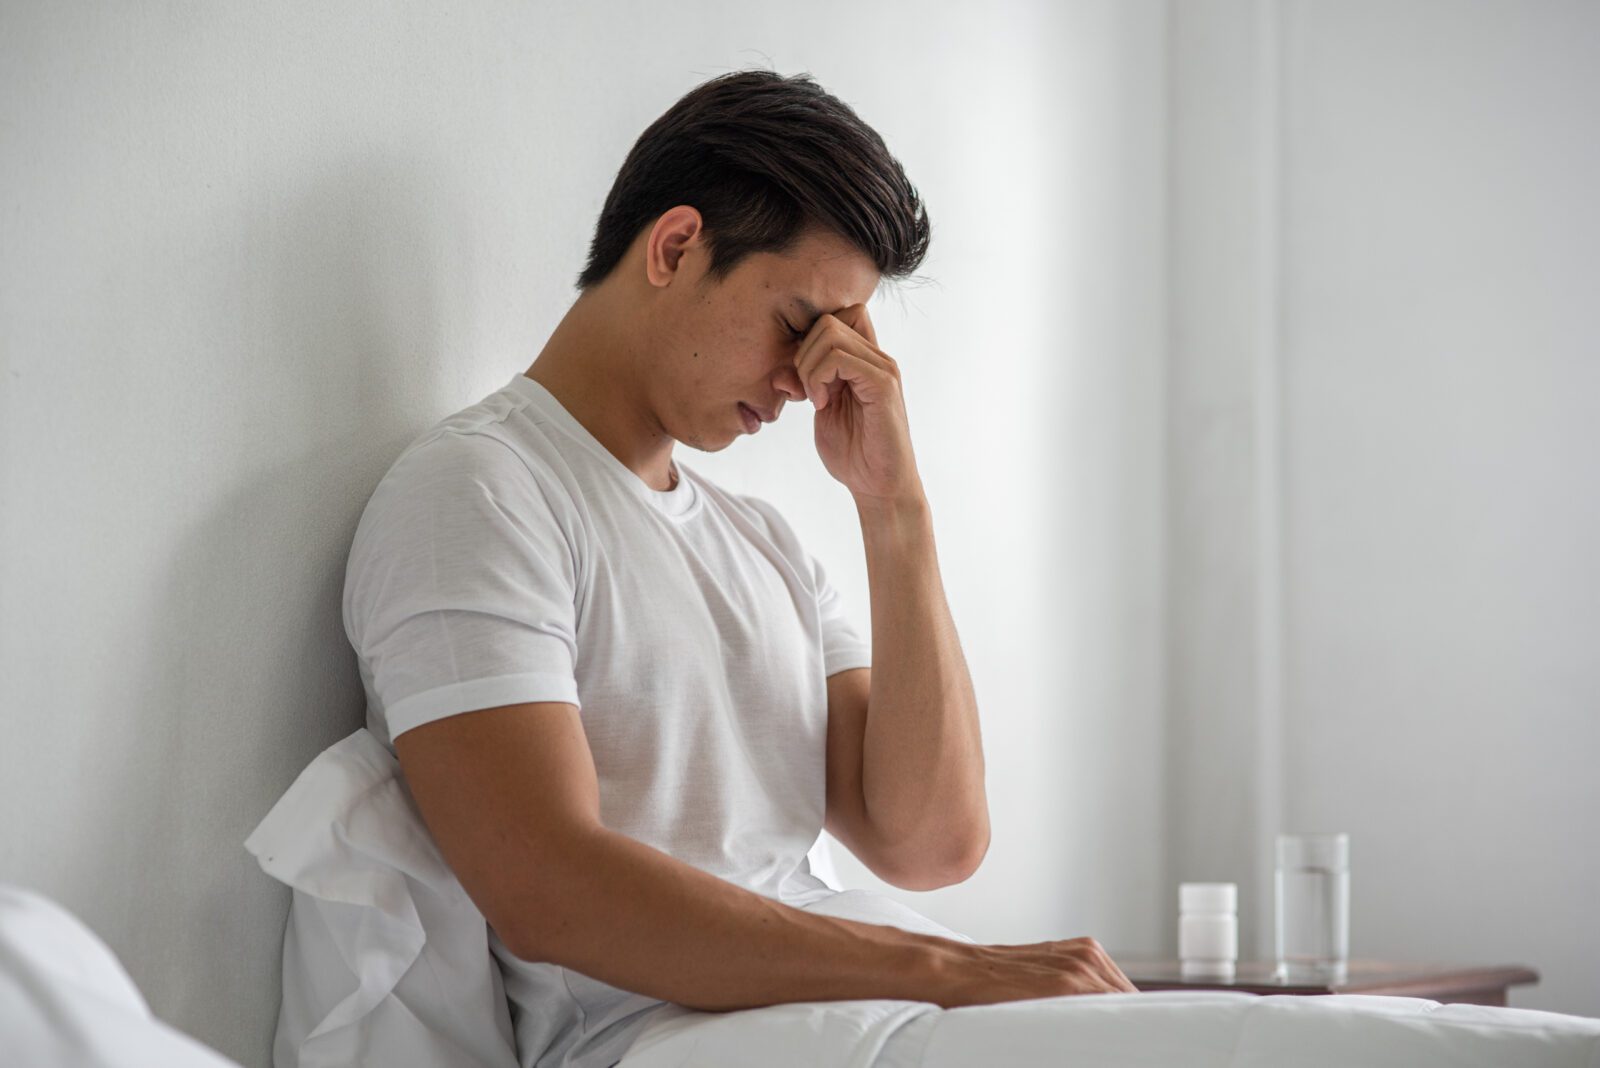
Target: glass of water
[(1313, 907)]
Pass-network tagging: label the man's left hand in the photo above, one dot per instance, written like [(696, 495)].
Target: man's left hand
[(861, 429)]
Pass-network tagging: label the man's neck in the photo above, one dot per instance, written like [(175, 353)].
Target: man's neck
[(589, 370)]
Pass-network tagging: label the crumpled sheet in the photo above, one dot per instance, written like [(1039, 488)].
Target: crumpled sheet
[(386, 959), (66, 1000)]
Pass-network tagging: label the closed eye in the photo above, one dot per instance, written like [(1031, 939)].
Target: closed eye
[(793, 333)]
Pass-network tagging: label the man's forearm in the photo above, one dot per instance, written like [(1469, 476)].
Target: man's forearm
[(627, 914), (922, 761)]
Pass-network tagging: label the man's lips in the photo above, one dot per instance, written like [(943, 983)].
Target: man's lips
[(754, 417)]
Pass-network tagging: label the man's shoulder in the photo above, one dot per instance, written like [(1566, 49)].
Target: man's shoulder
[(770, 520), (470, 475), (758, 510), (486, 454)]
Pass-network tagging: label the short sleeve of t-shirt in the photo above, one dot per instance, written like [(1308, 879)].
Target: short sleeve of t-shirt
[(843, 647), (461, 588)]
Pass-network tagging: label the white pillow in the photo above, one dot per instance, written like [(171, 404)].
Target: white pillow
[(386, 959), (65, 999)]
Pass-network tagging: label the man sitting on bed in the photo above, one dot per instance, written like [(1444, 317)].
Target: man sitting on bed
[(627, 700)]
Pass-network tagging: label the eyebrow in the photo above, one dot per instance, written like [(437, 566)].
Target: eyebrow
[(807, 309)]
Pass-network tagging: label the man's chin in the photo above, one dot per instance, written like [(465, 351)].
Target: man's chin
[(699, 445)]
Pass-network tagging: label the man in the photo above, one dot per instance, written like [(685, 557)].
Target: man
[(627, 700)]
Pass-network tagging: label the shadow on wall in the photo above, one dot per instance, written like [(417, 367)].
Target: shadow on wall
[(338, 363)]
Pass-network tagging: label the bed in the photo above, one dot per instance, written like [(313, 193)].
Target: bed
[(1152, 1029), (421, 991), (347, 830), (1177, 1028)]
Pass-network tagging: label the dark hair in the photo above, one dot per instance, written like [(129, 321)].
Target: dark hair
[(764, 158)]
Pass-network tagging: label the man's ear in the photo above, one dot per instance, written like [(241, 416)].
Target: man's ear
[(678, 232)]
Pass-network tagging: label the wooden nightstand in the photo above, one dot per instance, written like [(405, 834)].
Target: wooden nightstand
[(1469, 984)]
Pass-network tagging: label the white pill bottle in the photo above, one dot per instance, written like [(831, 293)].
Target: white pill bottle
[(1208, 930)]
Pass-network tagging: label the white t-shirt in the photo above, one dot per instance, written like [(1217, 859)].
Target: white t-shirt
[(508, 557)]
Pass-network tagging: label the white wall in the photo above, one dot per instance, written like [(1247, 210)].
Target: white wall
[(250, 251), (1385, 411)]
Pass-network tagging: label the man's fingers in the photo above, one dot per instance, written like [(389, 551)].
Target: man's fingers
[(832, 333), (857, 319), (870, 382)]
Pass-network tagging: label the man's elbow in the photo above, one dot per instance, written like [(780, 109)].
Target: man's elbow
[(957, 860), (967, 860)]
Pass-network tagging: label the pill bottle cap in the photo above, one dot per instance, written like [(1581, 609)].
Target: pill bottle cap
[(1208, 897)]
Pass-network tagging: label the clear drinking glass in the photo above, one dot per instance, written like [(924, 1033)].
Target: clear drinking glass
[(1313, 907)]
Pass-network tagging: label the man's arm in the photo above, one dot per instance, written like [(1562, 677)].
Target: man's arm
[(905, 756), (923, 812), (510, 795)]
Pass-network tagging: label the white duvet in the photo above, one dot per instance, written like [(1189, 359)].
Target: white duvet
[(1176, 1028), (1160, 1029)]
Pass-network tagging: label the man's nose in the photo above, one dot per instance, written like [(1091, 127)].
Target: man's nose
[(788, 383)]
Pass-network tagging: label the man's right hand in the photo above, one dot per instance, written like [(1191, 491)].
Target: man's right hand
[(986, 975)]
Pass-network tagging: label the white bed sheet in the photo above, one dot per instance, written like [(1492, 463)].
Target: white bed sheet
[(1159, 1029)]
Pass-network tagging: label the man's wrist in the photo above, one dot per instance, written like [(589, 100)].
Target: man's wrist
[(943, 967), (895, 512)]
